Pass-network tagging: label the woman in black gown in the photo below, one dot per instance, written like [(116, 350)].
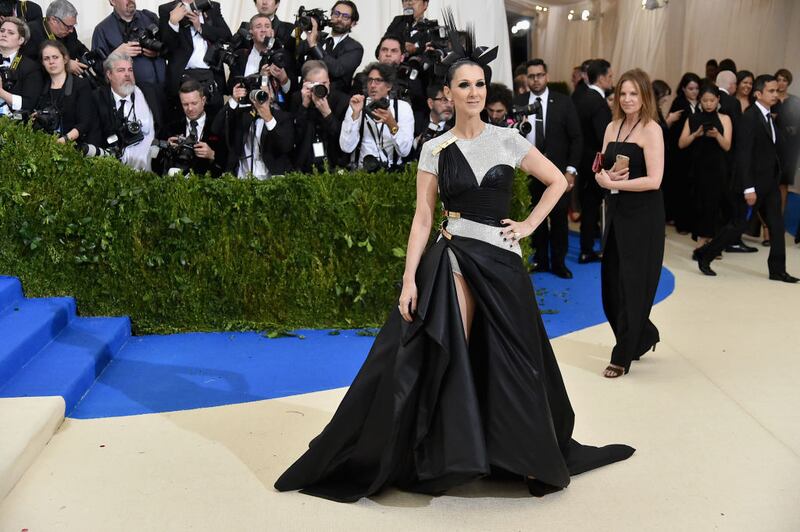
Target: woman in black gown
[(461, 382), (634, 233), (677, 188), (707, 136)]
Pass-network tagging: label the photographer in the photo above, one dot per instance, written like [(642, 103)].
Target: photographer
[(283, 30), (266, 49), (318, 115), (437, 121), (120, 33), (24, 10), (259, 136), (58, 25), (556, 132), (192, 145), (408, 25), (129, 113), (378, 130), (191, 32), (499, 102), (340, 52), (21, 77), (410, 85), (66, 106)]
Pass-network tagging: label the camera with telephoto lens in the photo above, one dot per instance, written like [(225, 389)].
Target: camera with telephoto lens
[(95, 72), (524, 128), (372, 164), (146, 37), (519, 113), (47, 119), (427, 31), (304, 16), (258, 96), (374, 105), (319, 90), (220, 54), (7, 8)]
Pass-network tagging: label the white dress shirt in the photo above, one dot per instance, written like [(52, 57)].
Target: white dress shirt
[(198, 42), (201, 124), (600, 91), (16, 99), (251, 162), (138, 155), (378, 139)]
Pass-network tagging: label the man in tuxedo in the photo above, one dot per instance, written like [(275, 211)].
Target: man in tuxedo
[(340, 52), (208, 147), (283, 30), (115, 34), (390, 52), (756, 175), (405, 25), (594, 115), (258, 134), (582, 84), (23, 9), (125, 103), (58, 25), (189, 34), (556, 132), (22, 77), (318, 120)]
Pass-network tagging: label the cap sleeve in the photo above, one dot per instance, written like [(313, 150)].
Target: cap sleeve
[(517, 145), (428, 162)]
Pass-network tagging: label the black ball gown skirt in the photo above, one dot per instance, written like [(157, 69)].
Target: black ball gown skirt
[(428, 412)]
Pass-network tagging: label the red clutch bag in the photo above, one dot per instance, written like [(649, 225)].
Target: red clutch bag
[(597, 165)]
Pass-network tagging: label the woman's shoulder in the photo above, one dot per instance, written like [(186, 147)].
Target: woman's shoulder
[(429, 147)]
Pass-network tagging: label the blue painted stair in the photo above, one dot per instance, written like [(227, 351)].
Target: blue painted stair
[(46, 349)]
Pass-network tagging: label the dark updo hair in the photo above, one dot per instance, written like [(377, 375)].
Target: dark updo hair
[(661, 89), (451, 72), (709, 88)]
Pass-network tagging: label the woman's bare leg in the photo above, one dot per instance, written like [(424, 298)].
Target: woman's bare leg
[(466, 303)]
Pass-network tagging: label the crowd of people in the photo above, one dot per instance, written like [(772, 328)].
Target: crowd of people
[(179, 91)]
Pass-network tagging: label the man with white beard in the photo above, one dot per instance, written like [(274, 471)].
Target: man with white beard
[(130, 115)]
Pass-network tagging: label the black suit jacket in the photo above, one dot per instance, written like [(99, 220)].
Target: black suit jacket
[(309, 122), (239, 66), (180, 47), (107, 117), (29, 82), (729, 105), (342, 61), (594, 116), (580, 90), (77, 108), (28, 11), (212, 138), (563, 140), (276, 146), (757, 163), (38, 35)]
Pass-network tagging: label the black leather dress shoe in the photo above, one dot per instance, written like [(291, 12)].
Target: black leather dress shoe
[(585, 258), (705, 267), (740, 247), (785, 277), (561, 271), (537, 267)]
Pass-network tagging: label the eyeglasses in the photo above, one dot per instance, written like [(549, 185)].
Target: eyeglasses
[(339, 14), (375, 81), (67, 26), (539, 75)]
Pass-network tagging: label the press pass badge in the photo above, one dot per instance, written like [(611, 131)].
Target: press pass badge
[(319, 150)]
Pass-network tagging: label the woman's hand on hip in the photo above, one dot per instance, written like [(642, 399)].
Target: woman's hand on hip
[(516, 231)]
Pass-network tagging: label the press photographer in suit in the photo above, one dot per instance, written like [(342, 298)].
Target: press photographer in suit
[(556, 132), (190, 31), (259, 136), (58, 25), (130, 114), (756, 178), (318, 114), (22, 78), (283, 30), (192, 145)]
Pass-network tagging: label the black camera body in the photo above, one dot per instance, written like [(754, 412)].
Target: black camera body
[(179, 155), (203, 6), (242, 38), (147, 38), (304, 16), (47, 120), (432, 132), (372, 164), (428, 31), (220, 54), (374, 105), (519, 113), (129, 133), (279, 57), (8, 77), (95, 73)]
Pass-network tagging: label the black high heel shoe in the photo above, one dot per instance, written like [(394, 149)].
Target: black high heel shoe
[(537, 488)]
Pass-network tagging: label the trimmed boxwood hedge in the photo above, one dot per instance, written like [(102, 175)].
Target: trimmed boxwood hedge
[(197, 253)]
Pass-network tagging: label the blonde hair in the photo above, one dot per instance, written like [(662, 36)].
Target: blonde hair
[(641, 81)]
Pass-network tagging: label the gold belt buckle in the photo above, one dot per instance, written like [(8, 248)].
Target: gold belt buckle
[(452, 214)]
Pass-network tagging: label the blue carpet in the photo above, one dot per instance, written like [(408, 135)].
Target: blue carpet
[(166, 373), (791, 215)]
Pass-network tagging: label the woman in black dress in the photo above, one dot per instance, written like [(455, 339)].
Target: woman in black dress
[(461, 382), (634, 234), (69, 96), (707, 136), (678, 188), (744, 88)]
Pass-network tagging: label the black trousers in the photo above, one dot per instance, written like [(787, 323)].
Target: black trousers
[(591, 198), (769, 203), (550, 241)]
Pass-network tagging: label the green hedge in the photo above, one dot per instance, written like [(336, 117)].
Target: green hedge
[(195, 254)]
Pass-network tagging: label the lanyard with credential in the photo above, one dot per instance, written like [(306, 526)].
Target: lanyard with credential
[(378, 143)]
